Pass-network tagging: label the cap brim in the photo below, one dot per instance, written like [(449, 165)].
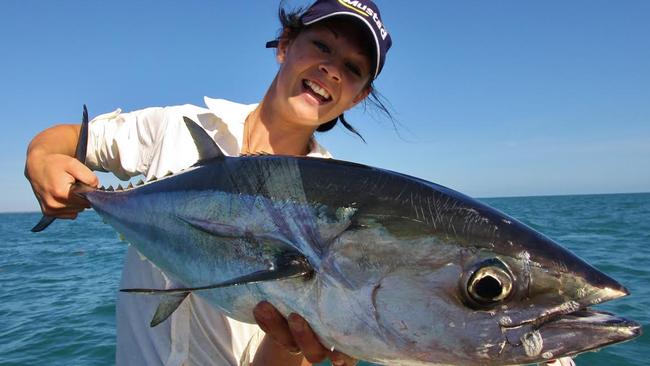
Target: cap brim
[(369, 27)]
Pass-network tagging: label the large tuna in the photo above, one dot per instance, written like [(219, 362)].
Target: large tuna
[(385, 267)]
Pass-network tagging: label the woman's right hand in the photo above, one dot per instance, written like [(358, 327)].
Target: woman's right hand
[(52, 177)]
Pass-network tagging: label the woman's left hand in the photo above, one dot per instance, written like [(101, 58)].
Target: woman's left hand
[(296, 336)]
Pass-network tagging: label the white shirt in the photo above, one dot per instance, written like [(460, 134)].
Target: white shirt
[(153, 142)]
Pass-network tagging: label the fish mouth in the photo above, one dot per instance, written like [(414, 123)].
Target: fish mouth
[(569, 330), (584, 330)]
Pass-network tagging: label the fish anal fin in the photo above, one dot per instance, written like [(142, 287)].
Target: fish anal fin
[(167, 306)]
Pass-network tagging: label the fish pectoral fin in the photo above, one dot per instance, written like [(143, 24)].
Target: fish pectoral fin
[(167, 306), (287, 265), (207, 148)]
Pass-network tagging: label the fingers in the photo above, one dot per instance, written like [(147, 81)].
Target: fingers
[(341, 359), (274, 325), (81, 173), (310, 345), (295, 335), (306, 339), (59, 210), (52, 178)]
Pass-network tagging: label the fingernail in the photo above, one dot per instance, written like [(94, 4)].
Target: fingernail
[(338, 363)]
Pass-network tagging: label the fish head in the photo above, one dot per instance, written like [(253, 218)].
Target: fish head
[(486, 299)]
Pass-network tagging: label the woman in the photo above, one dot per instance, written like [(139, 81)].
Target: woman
[(328, 55)]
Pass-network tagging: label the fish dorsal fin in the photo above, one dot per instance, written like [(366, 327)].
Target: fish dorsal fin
[(205, 145), (79, 154)]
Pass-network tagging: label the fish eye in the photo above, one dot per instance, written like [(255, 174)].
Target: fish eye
[(490, 283)]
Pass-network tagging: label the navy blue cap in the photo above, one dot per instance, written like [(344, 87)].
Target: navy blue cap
[(364, 10)]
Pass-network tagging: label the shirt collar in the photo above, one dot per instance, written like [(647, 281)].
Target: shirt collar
[(234, 116)]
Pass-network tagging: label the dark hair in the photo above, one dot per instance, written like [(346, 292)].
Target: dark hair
[(291, 27)]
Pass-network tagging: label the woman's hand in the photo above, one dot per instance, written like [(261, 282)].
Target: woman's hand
[(52, 170), (295, 336), (52, 177)]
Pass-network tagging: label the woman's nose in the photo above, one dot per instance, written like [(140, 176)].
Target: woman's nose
[(331, 71)]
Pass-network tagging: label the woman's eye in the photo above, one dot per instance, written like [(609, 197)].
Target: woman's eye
[(322, 46), (354, 69)]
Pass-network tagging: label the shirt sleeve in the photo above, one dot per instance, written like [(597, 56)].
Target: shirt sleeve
[(124, 143)]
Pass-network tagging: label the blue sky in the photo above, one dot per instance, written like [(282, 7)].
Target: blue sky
[(499, 98)]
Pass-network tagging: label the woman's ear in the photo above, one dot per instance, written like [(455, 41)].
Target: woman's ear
[(283, 45), (363, 94)]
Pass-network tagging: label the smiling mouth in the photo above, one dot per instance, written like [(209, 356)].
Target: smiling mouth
[(316, 91)]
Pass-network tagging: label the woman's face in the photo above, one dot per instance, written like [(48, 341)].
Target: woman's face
[(324, 72)]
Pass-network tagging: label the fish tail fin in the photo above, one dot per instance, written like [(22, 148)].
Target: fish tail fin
[(43, 223), (80, 154)]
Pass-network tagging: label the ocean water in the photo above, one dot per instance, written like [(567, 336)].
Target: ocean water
[(57, 288)]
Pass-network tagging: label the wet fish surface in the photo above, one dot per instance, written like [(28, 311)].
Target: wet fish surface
[(385, 267)]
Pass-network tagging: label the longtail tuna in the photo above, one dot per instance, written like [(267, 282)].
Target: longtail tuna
[(385, 267)]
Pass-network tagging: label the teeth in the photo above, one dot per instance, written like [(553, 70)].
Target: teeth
[(317, 89)]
